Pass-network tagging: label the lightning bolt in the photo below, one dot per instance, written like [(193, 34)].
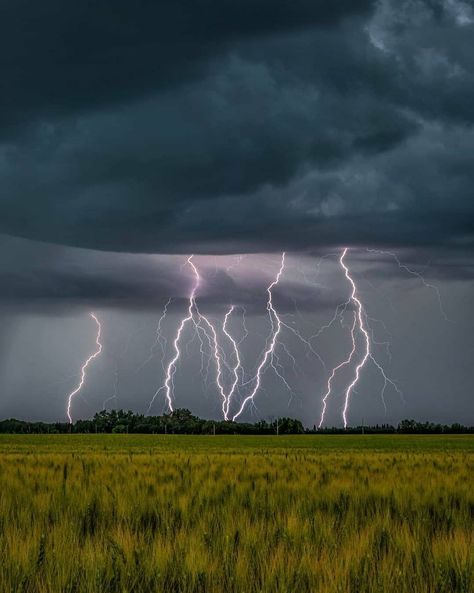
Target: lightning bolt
[(201, 323), (360, 324), (84, 367), (205, 331), (275, 324), (412, 272), (238, 364), (168, 386), (335, 370), (217, 353)]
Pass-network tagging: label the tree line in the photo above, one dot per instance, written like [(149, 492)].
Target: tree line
[(182, 421)]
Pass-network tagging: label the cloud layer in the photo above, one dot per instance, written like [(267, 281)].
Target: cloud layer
[(173, 127)]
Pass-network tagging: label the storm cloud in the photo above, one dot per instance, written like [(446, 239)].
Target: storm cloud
[(223, 127)]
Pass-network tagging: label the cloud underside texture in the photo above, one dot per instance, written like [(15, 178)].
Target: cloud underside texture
[(214, 127)]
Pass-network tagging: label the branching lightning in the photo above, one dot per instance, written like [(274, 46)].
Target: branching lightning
[(335, 370), (236, 389), (201, 324), (204, 321), (84, 367), (237, 365), (360, 324), (412, 272), (168, 386), (269, 351)]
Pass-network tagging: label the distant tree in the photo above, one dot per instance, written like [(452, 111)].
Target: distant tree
[(182, 421), (407, 426), (287, 426)]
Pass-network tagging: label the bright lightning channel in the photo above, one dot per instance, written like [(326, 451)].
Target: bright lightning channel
[(237, 366), (359, 324), (335, 370), (168, 386), (275, 323), (84, 367), (203, 324), (217, 355), (363, 330)]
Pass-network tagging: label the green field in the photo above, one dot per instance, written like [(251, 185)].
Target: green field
[(131, 513)]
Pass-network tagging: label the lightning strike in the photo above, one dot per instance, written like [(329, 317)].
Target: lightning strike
[(237, 365), (168, 386), (361, 353), (363, 330), (217, 357), (269, 351), (201, 324), (334, 372), (84, 367), (360, 325)]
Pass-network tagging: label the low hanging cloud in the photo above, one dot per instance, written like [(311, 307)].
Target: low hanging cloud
[(49, 278)]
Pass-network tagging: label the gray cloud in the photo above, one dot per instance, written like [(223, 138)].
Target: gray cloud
[(57, 61), (55, 279), (321, 125)]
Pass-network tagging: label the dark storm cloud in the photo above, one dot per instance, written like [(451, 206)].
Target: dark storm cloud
[(237, 127), (53, 277), (49, 278), (57, 59)]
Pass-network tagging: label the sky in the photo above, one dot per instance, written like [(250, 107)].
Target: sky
[(133, 135)]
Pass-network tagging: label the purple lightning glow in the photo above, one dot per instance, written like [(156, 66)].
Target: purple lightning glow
[(84, 367), (203, 324), (238, 364), (217, 355), (236, 388), (360, 324), (335, 370), (363, 330), (269, 351), (168, 386)]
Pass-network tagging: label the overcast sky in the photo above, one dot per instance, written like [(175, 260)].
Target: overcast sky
[(134, 134)]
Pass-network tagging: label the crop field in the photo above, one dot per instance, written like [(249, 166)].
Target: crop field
[(133, 514)]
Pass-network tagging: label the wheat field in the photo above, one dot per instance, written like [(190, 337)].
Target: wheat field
[(135, 514)]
